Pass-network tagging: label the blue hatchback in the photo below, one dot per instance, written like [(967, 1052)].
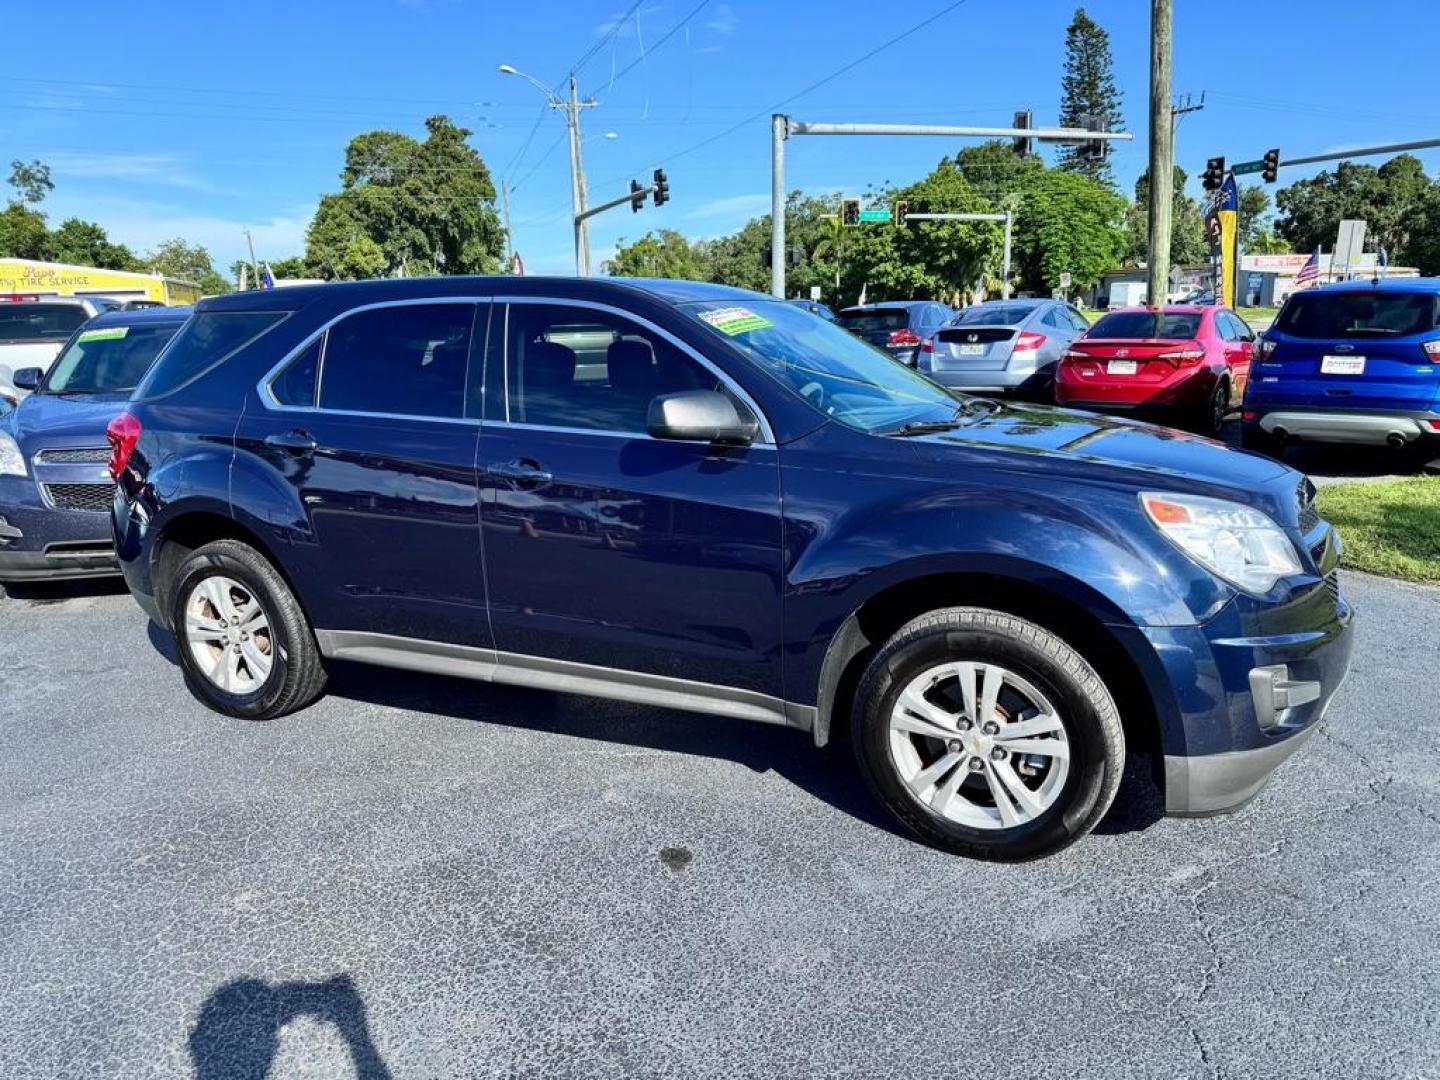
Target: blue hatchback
[(701, 498), (1350, 363)]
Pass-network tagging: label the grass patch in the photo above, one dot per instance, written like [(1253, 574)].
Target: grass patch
[(1390, 527), (1258, 316)]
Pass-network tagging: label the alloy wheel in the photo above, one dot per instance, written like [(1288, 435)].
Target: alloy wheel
[(228, 635)]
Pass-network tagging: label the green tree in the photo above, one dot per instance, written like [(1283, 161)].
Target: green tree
[(995, 171), (1188, 244), (1068, 224), (663, 254), (84, 243), (188, 262), (24, 233), (1385, 198), (32, 181), (425, 207), (943, 260), (1422, 227), (1088, 90)]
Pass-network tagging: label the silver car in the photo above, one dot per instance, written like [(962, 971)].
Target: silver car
[(1003, 346)]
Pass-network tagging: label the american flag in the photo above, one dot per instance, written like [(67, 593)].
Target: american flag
[(1310, 272)]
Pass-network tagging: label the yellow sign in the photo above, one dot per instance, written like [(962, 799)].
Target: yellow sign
[(58, 279)]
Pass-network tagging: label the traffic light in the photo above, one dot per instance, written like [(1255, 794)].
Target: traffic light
[(1214, 174), (901, 209), (637, 196), (662, 188), (1023, 119), (849, 211), (1272, 166), (1094, 149)]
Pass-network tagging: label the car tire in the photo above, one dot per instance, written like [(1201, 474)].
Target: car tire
[(1211, 418), (1066, 795), (1255, 438), (239, 663)]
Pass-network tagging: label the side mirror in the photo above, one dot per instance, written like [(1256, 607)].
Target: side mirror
[(700, 416), (27, 378)]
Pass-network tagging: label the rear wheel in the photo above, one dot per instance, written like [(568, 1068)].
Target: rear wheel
[(1212, 418), (1254, 437), (245, 647), (988, 736)]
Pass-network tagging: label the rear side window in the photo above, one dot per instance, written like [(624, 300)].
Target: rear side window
[(884, 319), (1358, 315), (1139, 325), (31, 323), (203, 342), (404, 360)]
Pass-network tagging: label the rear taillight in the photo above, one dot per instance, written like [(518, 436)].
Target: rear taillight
[(1434, 424), (123, 433), (1072, 355), (904, 337), (1432, 348), (928, 345), (1248, 417), (1182, 357), (1030, 340), (1265, 346)]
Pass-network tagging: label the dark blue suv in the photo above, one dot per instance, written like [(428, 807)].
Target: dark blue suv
[(1351, 363), (706, 499)]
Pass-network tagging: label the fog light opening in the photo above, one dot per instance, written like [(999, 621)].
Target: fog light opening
[(1275, 693)]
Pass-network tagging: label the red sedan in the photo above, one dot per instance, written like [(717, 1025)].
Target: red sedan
[(1185, 364)]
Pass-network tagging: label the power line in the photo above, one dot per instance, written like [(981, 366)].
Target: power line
[(663, 38), (609, 36), (105, 85)]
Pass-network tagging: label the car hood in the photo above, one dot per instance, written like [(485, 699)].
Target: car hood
[(65, 419), (1088, 439)]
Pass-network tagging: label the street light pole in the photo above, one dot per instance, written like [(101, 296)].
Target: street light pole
[(779, 132)]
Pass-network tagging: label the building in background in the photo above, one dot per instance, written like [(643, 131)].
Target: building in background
[(59, 279), (1266, 280)]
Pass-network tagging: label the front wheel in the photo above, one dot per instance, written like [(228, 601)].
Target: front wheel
[(988, 736), (245, 647)]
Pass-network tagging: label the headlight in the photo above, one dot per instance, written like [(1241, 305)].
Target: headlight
[(12, 462), (1232, 541)]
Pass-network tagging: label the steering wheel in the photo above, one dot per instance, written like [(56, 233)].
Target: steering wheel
[(814, 393)]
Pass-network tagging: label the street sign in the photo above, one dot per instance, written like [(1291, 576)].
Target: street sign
[(815, 293), (1240, 168), (1065, 276), (1349, 243), (872, 216)]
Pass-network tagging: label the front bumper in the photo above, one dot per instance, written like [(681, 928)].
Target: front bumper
[(1356, 427), (42, 543)]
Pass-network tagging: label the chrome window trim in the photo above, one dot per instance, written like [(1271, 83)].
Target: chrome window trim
[(267, 395), (767, 433), (565, 676)]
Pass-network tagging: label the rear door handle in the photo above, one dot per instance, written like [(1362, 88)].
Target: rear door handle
[(297, 442), (527, 473)]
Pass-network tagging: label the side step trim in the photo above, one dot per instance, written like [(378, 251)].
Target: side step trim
[(562, 676)]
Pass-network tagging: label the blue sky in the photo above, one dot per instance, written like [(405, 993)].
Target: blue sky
[(198, 120)]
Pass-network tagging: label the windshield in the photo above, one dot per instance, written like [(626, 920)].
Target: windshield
[(1358, 314), (835, 372), (29, 323), (993, 315), (1142, 325), (883, 319), (107, 359)]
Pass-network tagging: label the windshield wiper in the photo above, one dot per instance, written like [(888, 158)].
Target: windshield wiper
[(972, 408)]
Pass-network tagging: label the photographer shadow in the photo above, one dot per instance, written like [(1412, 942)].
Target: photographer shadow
[(238, 1033)]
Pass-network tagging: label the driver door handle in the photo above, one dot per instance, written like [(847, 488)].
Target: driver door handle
[(297, 442), (524, 472)]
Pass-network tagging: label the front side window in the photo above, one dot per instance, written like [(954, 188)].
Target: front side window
[(107, 359), (820, 362), (404, 360), (573, 367), (26, 322)]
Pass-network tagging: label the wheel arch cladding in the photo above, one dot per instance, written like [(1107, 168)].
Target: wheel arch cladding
[(1078, 615)]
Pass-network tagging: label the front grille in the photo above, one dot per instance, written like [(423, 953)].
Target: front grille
[(1309, 516), (83, 455), (94, 498), (1332, 585)]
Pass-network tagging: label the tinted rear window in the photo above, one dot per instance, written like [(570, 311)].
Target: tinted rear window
[(993, 315), (1343, 315), (30, 322), (1137, 325), (206, 339), (883, 319), (108, 358)]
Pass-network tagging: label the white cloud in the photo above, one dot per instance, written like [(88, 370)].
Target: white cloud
[(723, 20), (741, 206), (613, 25), (169, 169)]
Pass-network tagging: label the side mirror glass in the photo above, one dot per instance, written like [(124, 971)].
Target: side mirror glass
[(701, 416), (27, 378)]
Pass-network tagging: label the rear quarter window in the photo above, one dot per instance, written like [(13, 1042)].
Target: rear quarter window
[(208, 338)]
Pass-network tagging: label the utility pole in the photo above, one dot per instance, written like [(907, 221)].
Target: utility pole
[(250, 243), (1162, 154), (779, 132), (509, 237), (577, 181), (1180, 108)]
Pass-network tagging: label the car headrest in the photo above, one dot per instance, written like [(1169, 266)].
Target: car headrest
[(631, 365), (549, 366)]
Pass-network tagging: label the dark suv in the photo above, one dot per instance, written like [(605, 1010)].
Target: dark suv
[(706, 499)]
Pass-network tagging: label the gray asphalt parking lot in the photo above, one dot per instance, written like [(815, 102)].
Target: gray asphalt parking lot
[(427, 877)]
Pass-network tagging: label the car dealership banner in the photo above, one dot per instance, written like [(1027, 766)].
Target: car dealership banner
[(1221, 229)]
